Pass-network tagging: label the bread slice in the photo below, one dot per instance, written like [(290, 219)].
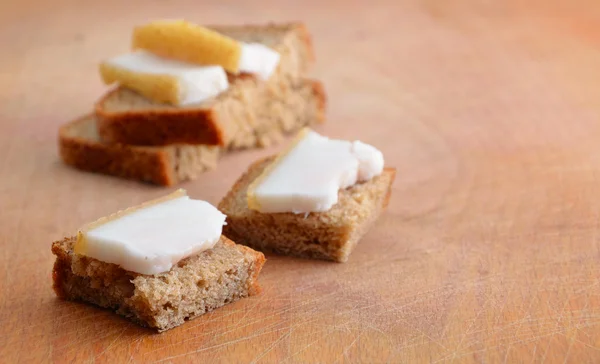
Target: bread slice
[(330, 235), (226, 120), (198, 284), (81, 147)]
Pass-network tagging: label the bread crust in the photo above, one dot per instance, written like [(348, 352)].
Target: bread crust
[(144, 164), (158, 126), (202, 125), (321, 95)]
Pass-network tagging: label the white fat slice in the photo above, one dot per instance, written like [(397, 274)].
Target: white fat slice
[(308, 175), (151, 238), (165, 80), (258, 59)]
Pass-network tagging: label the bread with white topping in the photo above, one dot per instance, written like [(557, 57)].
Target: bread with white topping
[(196, 285), (277, 115), (228, 119), (329, 235)]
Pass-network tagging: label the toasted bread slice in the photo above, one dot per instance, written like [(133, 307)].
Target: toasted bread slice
[(196, 285), (226, 120), (81, 147), (330, 235)]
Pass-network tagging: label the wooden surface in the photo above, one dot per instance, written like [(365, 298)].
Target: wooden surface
[(489, 251)]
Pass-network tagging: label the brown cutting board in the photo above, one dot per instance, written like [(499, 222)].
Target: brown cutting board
[(489, 250)]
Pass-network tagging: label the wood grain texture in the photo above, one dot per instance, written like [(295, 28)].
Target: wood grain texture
[(489, 250)]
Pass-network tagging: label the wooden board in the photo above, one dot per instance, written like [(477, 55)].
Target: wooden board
[(489, 251)]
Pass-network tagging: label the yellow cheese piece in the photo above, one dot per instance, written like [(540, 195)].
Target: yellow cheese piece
[(158, 87), (253, 203), (188, 42)]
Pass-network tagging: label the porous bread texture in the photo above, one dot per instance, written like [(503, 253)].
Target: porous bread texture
[(196, 285), (228, 119), (279, 113), (329, 235), (81, 147)]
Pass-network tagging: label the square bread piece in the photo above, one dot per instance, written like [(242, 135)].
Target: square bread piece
[(228, 119), (330, 235), (281, 113), (196, 285)]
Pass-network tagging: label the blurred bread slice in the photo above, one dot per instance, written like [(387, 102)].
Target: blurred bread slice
[(81, 146), (231, 118)]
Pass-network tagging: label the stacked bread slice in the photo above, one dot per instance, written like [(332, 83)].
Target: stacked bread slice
[(132, 134)]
